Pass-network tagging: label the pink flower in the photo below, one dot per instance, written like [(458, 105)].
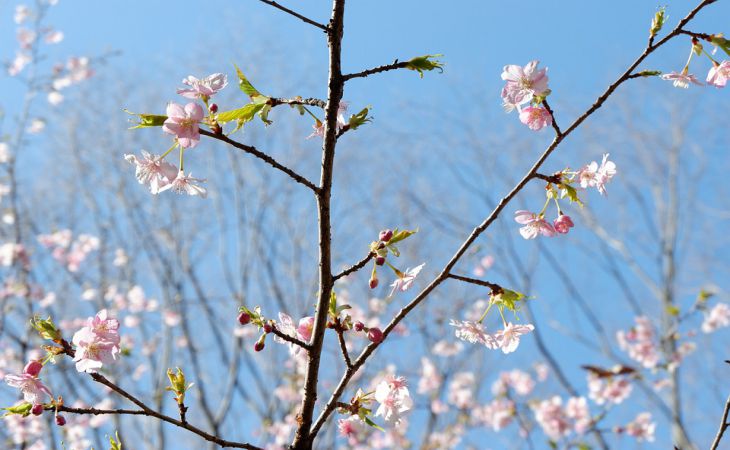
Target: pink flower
[(354, 429), (642, 428), (577, 409), (563, 224), (53, 37), (509, 338), (22, 12), (183, 123), (719, 74), (550, 416), (152, 171), (520, 381), (203, 88), (719, 316), (430, 377), (97, 343), (25, 37), (533, 225), (461, 390), (681, 80), (341, 122), (394, 398), (185, 184), (473, 332), (608, 390), (593, 175), (405, 280), (32, 388), (498, 414), (639, 343), (33, 368), (536, 117), (522, 84), (304, 330)]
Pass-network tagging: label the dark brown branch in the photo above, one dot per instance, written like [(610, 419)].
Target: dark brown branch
[(354, 268), (290, 339), (322, 27), (494, 287), (444, 274), (723, 426), (297, 101), (555, 179), (704, 36), (262, 156), (394, 66), (552, 116), (343, 347)]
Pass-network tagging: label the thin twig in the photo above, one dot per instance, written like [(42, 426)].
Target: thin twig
[(393, 66), (325, 28), (297, 101), (290, 339), (494, 287), (723, 426), (354, 268), (552, 116), (262, 156), (343, 347)]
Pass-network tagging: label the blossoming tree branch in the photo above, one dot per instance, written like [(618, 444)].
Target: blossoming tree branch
[(361, 407)]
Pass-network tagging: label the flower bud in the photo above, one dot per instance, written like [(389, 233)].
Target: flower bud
[(244, 318), (380, 260), (386, 235), (268, 328), (37, 410), (60, 421), (563, 224), (33, 368), (213, 108), (258, 346), (375, 335), (359, 326), (373, 283)]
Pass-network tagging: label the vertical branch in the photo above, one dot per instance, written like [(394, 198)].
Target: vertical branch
[(335, 87)]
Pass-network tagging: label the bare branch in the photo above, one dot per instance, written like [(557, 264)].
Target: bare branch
[(723, 426), (290, 339), (322, 27), (343, 347), (387, 67), (494, 287), (354, 268)]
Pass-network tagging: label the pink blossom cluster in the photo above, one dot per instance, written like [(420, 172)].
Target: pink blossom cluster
[(431, 378), (32, 388), (159, 176), (394, 399), (485, 264), (341, 122), (596, 176), (717, 76), (527, 85), (640, 343), (69, 252), (611, 390), (12, 253), (557, 421), (76, 70), (404, 280), (461, 391), (506, 339), (519, 381), (642, 428), (496, 414), (717, 317), (203, 88), (97, 343)]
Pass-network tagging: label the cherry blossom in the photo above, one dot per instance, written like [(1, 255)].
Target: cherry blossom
[(534, 225), (639, 343), (576, 408), (552, 419), (353, 428), (32, 388), (341, 122), (22, 12), (152, 171), (719, 74), (681, 80), (53, 37), (25, 37), (523, 83), (536, 117), (430, 377), (97, 343), (608, 390), (186, 184), (304, 330), (461, 390), (203, 88), (719, 316), (509, 338), (642, 428), (21, 60), (405, 279), (394, 398), (593, 175), (563, 224), (182, 122), (473, 332), (520, 381), (497, 414)]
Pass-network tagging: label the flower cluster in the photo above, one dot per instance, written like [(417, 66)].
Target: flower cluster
[(560, 186), (394, 398), (718, 74), (32, 388), (97, 343), (69, 252), (384, 246), (640, 343), (717, 317), (527, 86)]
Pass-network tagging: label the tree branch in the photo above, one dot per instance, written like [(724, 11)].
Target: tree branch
[(494, 287), (723, 426), (444, 274), (393, 66), (290, 339), (322, 27), (354, 268), (297, 101), (343, 347), (262, 156)]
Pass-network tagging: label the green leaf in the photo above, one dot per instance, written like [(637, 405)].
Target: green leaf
[(147, 120), (425, 63), (264, 115), (672, 310), (360, 118), (401, 235), (115, 444), (658, 22), (23, 410), (571, 193), (394, 250), (244, 114), (649, 73), (509, 299), (246, 85), (373, 424), (720, 41), (704, 295)]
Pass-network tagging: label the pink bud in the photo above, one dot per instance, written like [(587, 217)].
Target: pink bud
[(359, 326), (33, 368), (213, 108), (375, 335), (373, 283), (60, 421), (37, 410), (244, 318), (258, 346), (386, 235), (563, 223), (268, 328), (380, 260)]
